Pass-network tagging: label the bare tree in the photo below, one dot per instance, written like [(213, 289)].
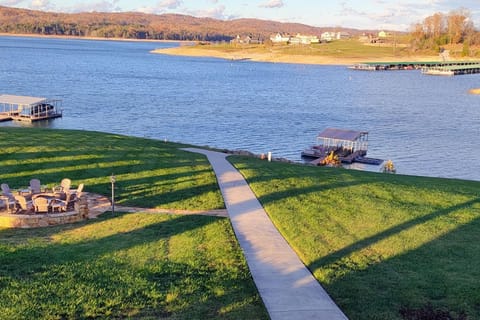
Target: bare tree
[(459, 25)]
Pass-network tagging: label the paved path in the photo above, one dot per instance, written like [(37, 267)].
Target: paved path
[(98, 204), (286, 286)]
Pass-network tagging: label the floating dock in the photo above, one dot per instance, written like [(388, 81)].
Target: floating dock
[(453, 70), (29, 109), (5, 117), (348, 145), (448, 68)]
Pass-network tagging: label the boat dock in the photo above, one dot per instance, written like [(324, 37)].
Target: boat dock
[(452, 70), (29, 109), (449, 68), (5, 117), (348, 145)]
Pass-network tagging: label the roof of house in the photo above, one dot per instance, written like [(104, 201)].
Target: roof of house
[(341, 134), (20, 100)]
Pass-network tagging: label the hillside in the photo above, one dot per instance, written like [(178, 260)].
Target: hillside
[(135, 25)]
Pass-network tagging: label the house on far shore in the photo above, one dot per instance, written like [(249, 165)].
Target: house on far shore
[(343, 35), (245, 40), (298, 39), (279, 38), (303, 39), (329, 36)]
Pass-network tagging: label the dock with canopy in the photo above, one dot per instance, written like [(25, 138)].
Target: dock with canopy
[(349, 145), (25, 108), (340, 138)]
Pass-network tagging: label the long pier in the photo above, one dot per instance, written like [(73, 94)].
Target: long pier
[(452, 70), (448, 68)]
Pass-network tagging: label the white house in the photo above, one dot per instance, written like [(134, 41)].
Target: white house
[(343, 35), (303, 39), (328, 36), (279, 38)]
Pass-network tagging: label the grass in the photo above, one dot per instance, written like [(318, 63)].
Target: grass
[(341, 49), (380, 244), (149, 173), (345, 49), (384, 246), (136, 266)]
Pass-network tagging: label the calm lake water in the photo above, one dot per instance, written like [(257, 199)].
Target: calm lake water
[(427, 125)]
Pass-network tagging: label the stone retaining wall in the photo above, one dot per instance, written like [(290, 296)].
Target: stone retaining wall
[(80, 213), (38, 220)]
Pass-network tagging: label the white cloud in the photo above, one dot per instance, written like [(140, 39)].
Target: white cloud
[(272, 4), (98, 6), (41, 5), (10, 3), (215, 12), (147, 10), (169, 4), (161, 7)]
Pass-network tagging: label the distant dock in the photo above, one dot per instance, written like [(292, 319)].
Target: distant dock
[(29, 109), (453, 70), (444, 68)]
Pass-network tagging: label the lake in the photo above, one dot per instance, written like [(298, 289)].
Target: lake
[(426, 125)]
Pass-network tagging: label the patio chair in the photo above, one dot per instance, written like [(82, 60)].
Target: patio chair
[(5, 189), (63, 189), (59, 205), (9, 198), (8, 204), (35, 186), (24, 203), (41, 204), (78, 192)]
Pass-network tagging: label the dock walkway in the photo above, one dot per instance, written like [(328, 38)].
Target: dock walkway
[(288, 289), (448, 68), (5, 117)]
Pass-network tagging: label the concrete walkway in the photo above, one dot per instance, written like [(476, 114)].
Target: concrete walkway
[(288, 289)]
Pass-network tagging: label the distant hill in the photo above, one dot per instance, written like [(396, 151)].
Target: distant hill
[(135, 25)]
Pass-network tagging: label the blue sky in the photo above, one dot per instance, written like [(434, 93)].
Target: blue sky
[(364, 14)]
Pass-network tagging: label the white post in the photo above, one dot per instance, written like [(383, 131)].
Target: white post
[(269, 157)]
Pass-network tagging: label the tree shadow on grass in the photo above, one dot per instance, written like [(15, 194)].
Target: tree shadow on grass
[(89, 278), (442, 273), (359, 245), (83, 250), (93, 166)]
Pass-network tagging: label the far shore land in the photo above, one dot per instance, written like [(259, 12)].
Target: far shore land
[(275, 57), (188, 48), (46, 36)]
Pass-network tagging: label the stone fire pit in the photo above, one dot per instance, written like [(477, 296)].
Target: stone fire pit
[(89, 206)]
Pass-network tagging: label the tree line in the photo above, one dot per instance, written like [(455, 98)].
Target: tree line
[(439, 30), (104, 25), (135, 25)]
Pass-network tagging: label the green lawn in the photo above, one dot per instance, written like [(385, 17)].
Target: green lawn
[(135, 266), (341, 48), (382, 245), (149, 173), (345, 49), (379, 243)]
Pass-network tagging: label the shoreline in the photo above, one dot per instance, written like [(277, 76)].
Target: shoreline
[(187, 49), (273, 57), (43, 36)]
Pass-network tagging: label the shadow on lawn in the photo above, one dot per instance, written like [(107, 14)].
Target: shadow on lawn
[(357, 246), (441, 277), (162, 288), (148, 174)]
